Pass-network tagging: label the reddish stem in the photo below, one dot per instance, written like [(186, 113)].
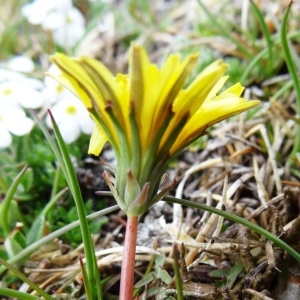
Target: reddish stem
[(128, 263)]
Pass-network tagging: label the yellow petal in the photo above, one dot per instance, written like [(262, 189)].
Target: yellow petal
[(208, 83), (76, 78), (110, 91), (73, 86), (71, 68), (97, 141), (142, 76), (235, 90), (209, 114), (169, 83)]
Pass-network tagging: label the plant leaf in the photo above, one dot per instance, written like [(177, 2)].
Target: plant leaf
[(229, 273)]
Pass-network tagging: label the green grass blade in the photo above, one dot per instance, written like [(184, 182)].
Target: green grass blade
[(91, 262), (4, 212), (55, 182), (223, 31), (25, 279), (16, 294), (37, 228), (261, 55), (292, 70), (88, 291), (52, 144), (264, 28), (252, 64), (239, 220), (53, 200), (281, 91)]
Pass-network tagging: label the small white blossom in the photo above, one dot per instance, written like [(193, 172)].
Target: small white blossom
[(71, 30), (7, 75), (65, 21), (37, 11), (72, 118), (24, 92), (20, 63), (14, 68), (13, 120)]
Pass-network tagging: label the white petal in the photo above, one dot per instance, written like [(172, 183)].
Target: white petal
[(76, 17), (69, 130), (63, 6), (30, 98), (14, 120), (68, 36), (21, 127), (72, 30), (53, 69), (5, 137), (72, 118), (48, 121), (32, 83), (86, 123), (21, 92), (59, 111), (33, 14), (10, 113), (53, 21), (6, 75), (21, 63)]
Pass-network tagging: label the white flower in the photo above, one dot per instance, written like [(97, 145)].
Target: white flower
[(59, 16), (72, 28), (37, 11), (20, 63), (72, 118), (6, 75), (10, 69), (24, 92), (13, 120)]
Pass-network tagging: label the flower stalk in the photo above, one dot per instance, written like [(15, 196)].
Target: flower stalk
[(128, 262)]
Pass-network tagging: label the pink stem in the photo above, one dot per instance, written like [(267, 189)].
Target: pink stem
[(128, 263)]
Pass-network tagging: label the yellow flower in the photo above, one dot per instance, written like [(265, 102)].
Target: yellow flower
[(147, 115)]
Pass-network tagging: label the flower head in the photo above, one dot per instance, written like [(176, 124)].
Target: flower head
[(147, 115), (72, 118), (38, 12), (23, 92), (20, 63)]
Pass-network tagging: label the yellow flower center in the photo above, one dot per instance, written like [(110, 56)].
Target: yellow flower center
[(59, 88), (7, 92), (69, 20), (71, 110)]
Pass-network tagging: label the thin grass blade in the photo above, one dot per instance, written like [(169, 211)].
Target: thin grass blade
[(292, 70), (4, 212), (91, 262), (25, 279), (239, 220)]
